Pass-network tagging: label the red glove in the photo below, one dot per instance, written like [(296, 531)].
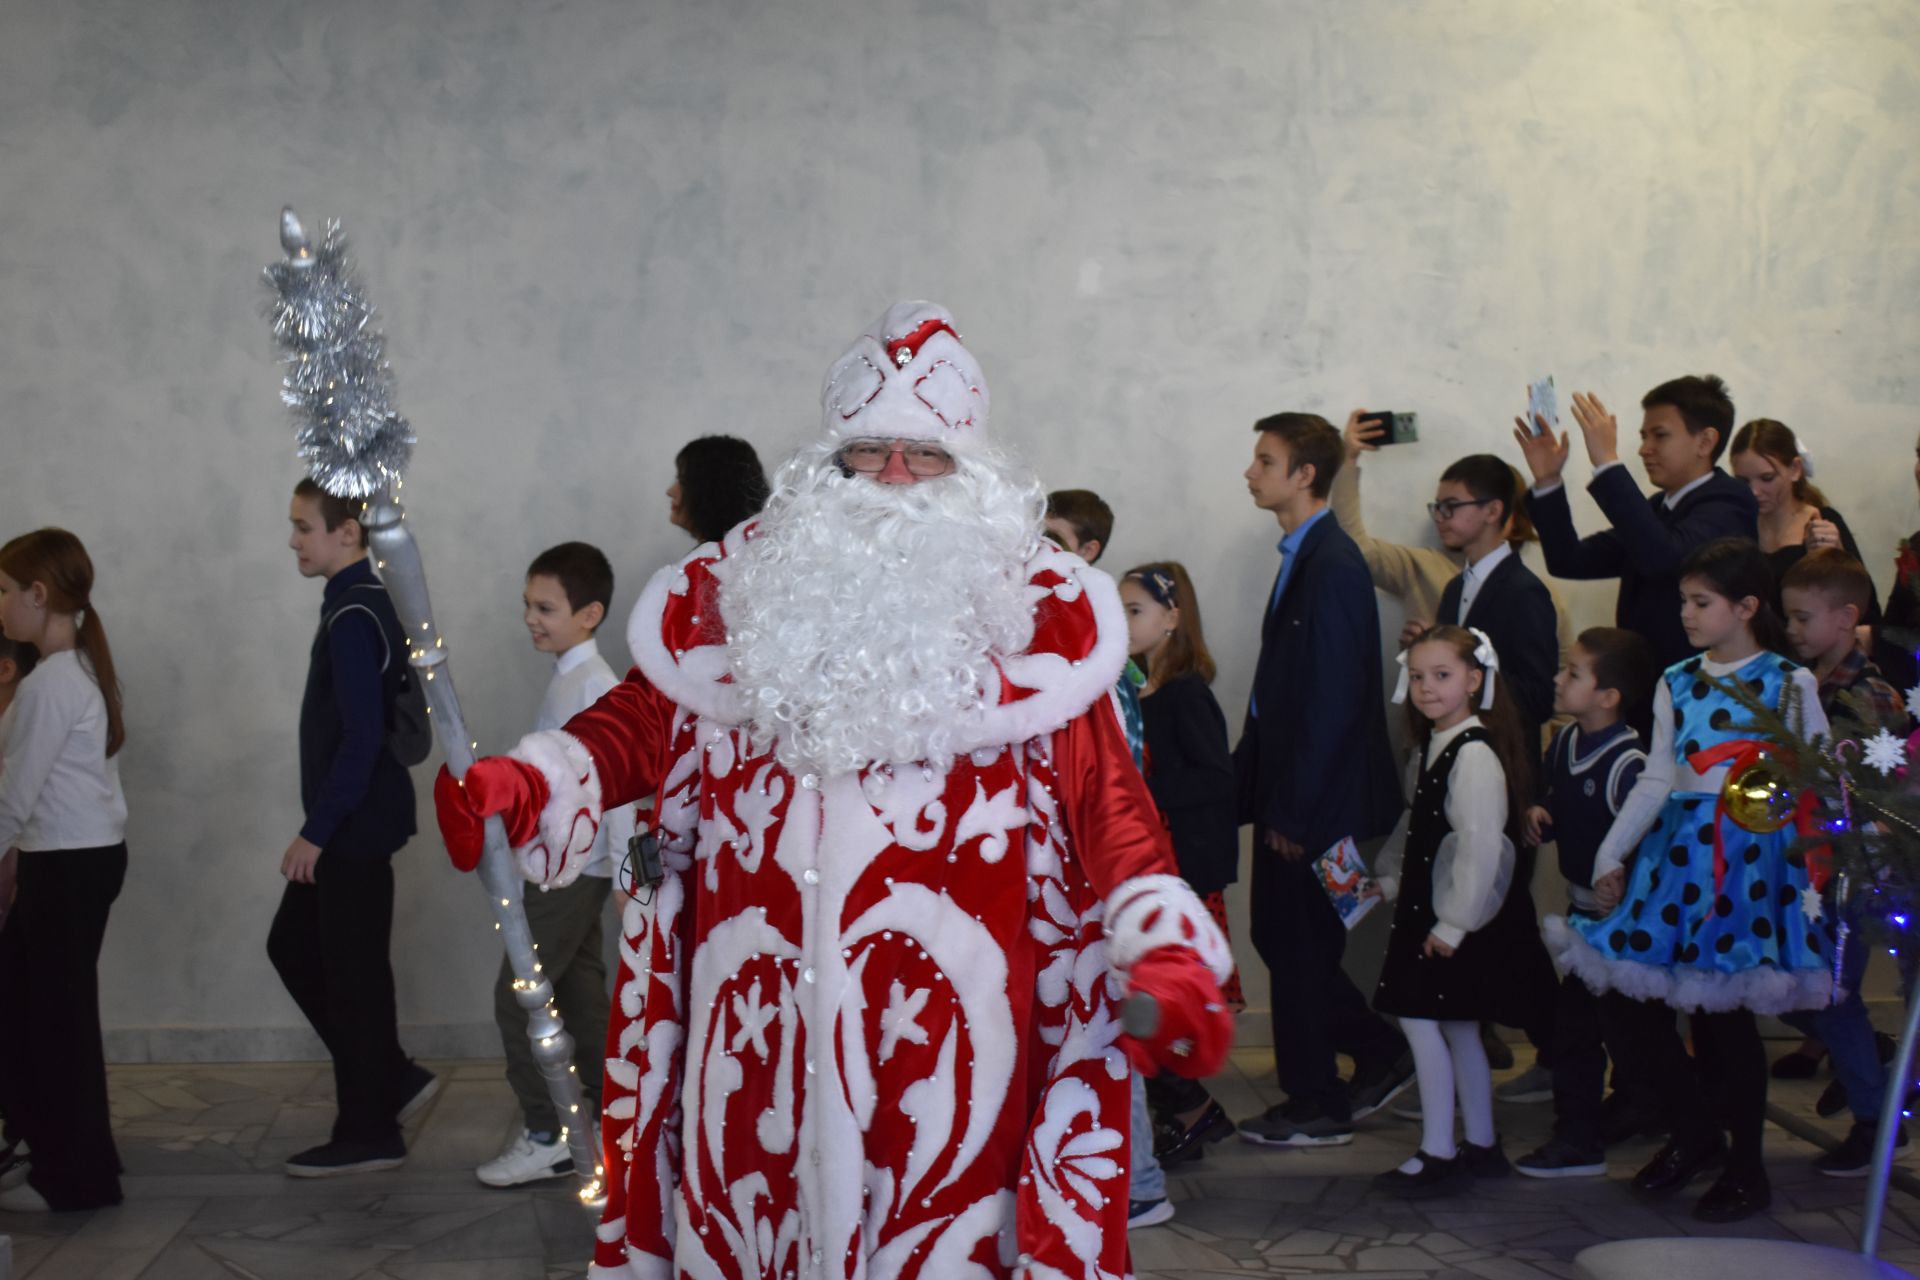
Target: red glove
[(1175, 1017), (496, 785)]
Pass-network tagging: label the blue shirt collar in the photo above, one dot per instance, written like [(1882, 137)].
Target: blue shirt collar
[(1291, 543)]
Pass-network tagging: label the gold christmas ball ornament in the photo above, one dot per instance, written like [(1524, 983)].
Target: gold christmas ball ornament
[(1758, 798)]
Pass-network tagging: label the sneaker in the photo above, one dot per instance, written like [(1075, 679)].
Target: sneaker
[(1148, 1213), (418, 1089), (331, 1159), (525, 1159), (1831, 1102), (14, 1164), (1485, 1162), (1407, 1106), (1535, 1084), (1434, 1177), (1372, 1089), (1561, 1159), (23, 1199), (1853, 1158), (1290, 1126)]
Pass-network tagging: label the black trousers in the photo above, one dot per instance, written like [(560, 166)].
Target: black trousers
[(329, 943), (53, 1068), (1579, 1065), (1317, 1011), (1722, 1088)]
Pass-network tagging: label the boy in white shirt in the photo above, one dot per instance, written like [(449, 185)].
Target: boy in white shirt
[(567, 593)]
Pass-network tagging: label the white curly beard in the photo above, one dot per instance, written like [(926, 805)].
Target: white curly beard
[(863, 618)]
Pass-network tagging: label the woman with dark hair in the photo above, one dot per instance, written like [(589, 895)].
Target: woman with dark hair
[(1795, 517), (717, 483)]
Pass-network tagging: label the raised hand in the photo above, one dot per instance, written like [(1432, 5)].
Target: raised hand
[(1545, 453), (1598, 426), (1361, 433)]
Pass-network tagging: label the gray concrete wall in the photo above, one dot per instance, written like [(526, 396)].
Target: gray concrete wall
[(597, 228)]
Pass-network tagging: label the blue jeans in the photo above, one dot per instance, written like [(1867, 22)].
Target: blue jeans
[(1146, 1181), (1848, 1035)]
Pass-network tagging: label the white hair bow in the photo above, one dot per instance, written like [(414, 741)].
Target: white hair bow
[(1482, 653)]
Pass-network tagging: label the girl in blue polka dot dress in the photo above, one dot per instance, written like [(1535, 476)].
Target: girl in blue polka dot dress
[(1708, 918)]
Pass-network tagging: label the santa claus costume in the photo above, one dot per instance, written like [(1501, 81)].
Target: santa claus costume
[(868, 1024)]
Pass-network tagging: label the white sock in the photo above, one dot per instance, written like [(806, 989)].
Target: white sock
[(1433, 1065), (1474, 1080)]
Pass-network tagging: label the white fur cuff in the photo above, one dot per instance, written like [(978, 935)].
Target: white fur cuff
[(1162, 911), (571, 821)]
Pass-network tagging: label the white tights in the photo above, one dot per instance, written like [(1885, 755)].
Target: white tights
[(1450, 1059)]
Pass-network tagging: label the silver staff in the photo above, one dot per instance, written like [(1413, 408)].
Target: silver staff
[(340, 387)]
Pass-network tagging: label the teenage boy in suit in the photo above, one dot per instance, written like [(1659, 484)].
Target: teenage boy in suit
[(1684, 430), (1314, 766)]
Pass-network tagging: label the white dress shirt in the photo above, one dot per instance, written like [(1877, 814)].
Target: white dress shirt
[(1666, 773), (580, 678), (58, 789), (1474, 864), (1475, 576)]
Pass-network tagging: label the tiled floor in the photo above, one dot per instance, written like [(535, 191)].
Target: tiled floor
[(206, 1199)]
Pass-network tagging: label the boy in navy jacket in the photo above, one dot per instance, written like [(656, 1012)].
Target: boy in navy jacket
[(1313, 766), (1685, 429), (329, 939)]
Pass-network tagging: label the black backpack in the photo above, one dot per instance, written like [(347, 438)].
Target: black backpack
[(409, 727)]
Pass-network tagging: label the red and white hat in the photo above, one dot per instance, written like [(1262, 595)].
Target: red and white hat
[(908, 377)]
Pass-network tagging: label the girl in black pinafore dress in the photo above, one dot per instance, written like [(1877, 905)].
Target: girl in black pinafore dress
[(1461, 922)]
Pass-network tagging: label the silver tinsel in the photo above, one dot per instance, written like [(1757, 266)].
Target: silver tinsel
[(338, 382)]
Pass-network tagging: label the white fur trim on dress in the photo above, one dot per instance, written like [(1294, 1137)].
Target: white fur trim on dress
[(571, 821), (1762, 990), (698, 678), (1148, 912)]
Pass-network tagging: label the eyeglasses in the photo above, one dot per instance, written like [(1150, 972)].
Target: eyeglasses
[(870, 457), (1445, 510)]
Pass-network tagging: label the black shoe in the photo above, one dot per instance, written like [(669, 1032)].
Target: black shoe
[(1374, 1086), (1562, 1159), (1675, 1166), (1485, 1162), (1797, 1065), (1621, 1121), (416, 1090), (1179, 1143), (1499, 1052), (1853, 1158), (1288, 1125), (1436, 1177), (332, 1159), (1831, 1102), (1739, 1194)]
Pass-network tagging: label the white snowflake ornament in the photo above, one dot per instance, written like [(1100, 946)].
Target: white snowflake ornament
[(1913, 702), (1810, 905), (1884, 752)]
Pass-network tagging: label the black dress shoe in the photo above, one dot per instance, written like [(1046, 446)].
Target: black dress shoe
[(1177, 1144), (1677, 1165), (1435, 1177), (1739, 1194)]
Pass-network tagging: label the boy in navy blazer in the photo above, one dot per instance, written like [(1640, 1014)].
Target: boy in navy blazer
[(1314, 766), (1685, 429)]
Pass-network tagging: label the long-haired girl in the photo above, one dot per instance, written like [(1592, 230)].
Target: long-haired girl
[(1461, 920), (62, 827)]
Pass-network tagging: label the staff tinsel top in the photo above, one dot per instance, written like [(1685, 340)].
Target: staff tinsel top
[(338, 382)]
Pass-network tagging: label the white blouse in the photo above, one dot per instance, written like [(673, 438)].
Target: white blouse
[(1474, 864), (58, 789), (1666, 773)]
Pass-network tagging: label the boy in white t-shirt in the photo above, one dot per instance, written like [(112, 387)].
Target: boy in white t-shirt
[(567, 593)]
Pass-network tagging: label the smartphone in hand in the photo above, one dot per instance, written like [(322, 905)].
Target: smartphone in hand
[(1401, 428), (1542, 403)]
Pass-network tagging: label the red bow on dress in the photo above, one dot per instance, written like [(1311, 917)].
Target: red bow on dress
[(1741, 754)]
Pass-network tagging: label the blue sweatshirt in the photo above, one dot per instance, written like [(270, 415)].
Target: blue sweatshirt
[(358, 798)]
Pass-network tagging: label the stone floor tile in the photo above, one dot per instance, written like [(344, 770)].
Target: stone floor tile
[(484, 1269), (1392, 1257), (117, 1243), (283, 1261), (184, 1259)]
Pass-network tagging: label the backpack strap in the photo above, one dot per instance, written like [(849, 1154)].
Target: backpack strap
[(386, 643)]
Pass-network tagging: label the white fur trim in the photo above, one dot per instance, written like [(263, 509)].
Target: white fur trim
[(1762, 990), (1148, 912), (1062, 687), (571, 820)]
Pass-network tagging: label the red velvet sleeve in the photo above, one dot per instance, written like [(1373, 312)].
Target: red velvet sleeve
[(1116, 829), (626, 732)]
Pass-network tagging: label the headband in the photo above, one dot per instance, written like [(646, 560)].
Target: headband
[(1483, 654), (1158, 584)]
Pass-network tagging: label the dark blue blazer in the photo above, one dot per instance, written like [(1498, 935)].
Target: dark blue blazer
[(1313, 762), (1645, 547), (1516, 611)]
